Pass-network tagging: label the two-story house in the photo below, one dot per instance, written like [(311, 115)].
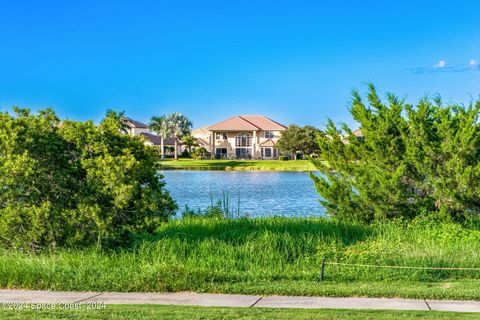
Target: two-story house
[(242, 137)]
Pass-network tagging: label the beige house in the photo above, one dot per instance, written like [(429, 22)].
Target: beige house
[(241, 137)]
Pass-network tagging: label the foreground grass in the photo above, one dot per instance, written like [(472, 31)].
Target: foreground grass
[(207, 313), (266, 256), (244, 165)]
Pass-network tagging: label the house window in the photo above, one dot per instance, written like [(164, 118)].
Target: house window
[(243, 140), (221, 136), (220, 153), (269, 135), (243, 153), (268, 152)]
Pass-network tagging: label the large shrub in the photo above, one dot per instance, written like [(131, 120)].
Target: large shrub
[(199, 153), (298, 140), (75, 183), (411, 160)]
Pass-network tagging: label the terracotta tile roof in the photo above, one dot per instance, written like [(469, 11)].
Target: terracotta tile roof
[(264, 123), (134, 123), (267, 143), (247, 123), (155, 140)]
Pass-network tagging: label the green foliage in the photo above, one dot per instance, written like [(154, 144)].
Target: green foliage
[(237, 165), (185, 154), (299, 139), (179, 312), (74, 183), (214, 212), (199, 153), (266, 256), (189, 141), (221, 209), (283, 158), (411, 160), (161, 127), (179, 126)]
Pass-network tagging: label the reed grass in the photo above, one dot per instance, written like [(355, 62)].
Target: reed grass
[(266, 256)]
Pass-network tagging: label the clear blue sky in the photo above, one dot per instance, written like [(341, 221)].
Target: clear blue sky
[(296, 61)]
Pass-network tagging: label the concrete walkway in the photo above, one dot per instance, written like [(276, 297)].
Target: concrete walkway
[(13, 297)]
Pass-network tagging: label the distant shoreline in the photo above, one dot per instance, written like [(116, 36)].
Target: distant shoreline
[(238, 165)]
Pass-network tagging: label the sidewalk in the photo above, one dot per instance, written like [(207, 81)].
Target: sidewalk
[(235, 300)]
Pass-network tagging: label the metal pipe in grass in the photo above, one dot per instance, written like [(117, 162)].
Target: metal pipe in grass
[(322, 270)]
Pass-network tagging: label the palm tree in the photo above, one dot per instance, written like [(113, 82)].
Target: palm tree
[(160, 126), (179, 126), (190, 141), (119, 119)]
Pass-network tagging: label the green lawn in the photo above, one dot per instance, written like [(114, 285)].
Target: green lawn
[(265, 256), (253, 165), (213, 313)]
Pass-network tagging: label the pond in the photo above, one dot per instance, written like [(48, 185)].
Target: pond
[(251, 193)]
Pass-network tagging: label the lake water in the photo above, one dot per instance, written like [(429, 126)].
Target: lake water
[(259, 193)]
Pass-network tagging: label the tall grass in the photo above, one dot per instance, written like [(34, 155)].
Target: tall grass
[(222, 208), (265, 255)]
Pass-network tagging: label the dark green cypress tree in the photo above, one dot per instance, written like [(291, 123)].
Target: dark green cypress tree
[(408, 160)]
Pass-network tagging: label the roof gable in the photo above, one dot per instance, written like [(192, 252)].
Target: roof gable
[(267, 143), (264, 123), (247, 122), (236, 123)]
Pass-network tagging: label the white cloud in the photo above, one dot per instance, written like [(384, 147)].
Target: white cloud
[(440, 64)]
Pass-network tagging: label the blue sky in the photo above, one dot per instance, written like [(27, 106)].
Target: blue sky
[(295, 61)]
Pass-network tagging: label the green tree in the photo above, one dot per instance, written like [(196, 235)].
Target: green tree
[(412, 160), (160, 126), (179, 126), (190, 141), (199, 153), (120, 118), (299, 139), (75, 183)]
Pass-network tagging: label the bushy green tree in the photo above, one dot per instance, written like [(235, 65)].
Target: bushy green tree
[(299, 139), (199, 153), (411, 160), (75, 183)]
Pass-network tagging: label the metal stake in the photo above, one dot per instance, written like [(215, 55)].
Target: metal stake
[(322, 272)]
